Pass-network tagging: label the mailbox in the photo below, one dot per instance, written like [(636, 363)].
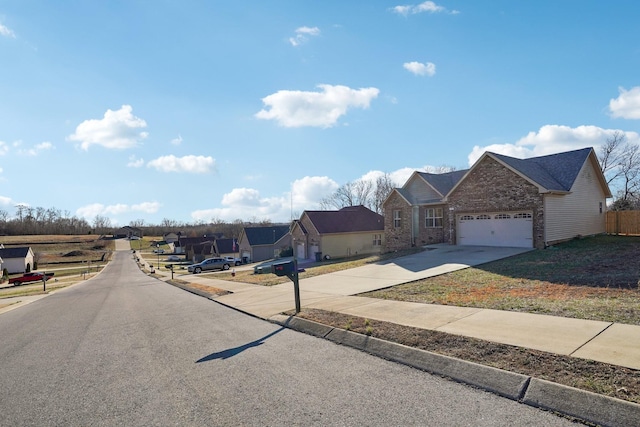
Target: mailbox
[(282, 268)]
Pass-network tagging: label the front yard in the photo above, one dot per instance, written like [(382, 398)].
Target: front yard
[(593, 278)]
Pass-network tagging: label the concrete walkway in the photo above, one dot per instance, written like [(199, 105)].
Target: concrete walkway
[(607, 342)]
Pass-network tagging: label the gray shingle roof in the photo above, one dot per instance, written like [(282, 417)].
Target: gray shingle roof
[(443, 182), (17, 252), (265, 235), (556, 172)]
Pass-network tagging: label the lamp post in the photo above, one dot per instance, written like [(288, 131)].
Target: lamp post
[(158, 253)]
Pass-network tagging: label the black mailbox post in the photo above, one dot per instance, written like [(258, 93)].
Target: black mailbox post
[(289, 269)]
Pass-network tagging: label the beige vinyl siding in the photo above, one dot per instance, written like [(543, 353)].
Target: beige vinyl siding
[(577, 213), (350, 244), (420, 190)]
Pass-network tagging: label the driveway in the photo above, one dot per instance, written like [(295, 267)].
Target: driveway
[(331, 288), (436, 260)]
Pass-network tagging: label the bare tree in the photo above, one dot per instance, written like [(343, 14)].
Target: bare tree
[(102, 224), (611, 155), (360, 192), (620, 164), (384, 186)]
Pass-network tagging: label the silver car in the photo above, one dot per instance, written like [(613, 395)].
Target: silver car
[(208, 265)]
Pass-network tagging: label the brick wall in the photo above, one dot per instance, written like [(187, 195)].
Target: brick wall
[(491, 187), (397, 238)]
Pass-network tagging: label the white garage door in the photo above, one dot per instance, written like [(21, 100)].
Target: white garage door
[(512, 229)]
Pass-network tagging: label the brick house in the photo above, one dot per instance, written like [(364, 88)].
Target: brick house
[(501, 201), (353, 230)]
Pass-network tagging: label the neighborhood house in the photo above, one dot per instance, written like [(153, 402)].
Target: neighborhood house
[(350, 231), (501, 201), (17, 260)]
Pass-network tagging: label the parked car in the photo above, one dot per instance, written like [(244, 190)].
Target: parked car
[(209, 264), (234, 261), (158, 251), (173, 258), (34, 276)]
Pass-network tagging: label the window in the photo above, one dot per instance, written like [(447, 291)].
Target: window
[(466, 218), (522, 215), (396, 219), (502, 216), (600, 207), (377, 240), (433, 218), (483, 217)]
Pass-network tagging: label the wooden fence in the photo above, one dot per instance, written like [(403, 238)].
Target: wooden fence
[(623, 222)]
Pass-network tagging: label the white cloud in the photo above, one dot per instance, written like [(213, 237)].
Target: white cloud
[(302, 34), (4, 148), (7, 32), (6, 201), (117, 130), (177, 141), (89, 212), (305, 194), (551, 139), (627, 105), (135, 163), (146, 207), (427, 6), (37, 149), (189, 164), (319, 109), (420, 69)]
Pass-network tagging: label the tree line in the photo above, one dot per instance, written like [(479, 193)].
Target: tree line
[(619, 162)]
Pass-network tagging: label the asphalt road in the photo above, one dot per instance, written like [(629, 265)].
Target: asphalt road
[(126, 349)]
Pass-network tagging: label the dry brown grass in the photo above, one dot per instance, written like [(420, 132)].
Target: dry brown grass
[(602, 378), (595, 278)]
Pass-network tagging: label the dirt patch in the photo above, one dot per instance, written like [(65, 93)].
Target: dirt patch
[(601, 378)]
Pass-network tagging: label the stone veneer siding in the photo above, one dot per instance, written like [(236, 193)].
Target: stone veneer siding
[(491, 187)]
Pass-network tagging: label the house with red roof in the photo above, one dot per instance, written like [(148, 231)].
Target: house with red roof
[(350, 231)]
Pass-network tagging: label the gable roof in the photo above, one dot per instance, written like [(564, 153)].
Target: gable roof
[(443, 182), (551, 173), (346, 220), (554, 172), (16, 252), (226, 246), (268, 235)]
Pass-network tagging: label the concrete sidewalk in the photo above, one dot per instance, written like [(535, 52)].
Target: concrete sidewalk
[(607, 342)]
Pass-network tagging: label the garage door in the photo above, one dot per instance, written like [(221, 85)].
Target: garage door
[(512, 229)]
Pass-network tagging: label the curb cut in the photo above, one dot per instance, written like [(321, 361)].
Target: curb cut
[(587, 406)]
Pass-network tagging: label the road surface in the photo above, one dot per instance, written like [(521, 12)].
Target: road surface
[(126, 349)]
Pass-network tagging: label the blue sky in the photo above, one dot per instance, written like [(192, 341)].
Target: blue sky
[(201, 110)]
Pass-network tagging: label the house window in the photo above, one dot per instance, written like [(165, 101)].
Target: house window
[(433, 218), (377, 240), (466, 217), (483, 217), (396, 219), (522, 215), (600, 207), (502, 216)]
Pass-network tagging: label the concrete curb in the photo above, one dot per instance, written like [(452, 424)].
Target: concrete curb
[(591, 407)]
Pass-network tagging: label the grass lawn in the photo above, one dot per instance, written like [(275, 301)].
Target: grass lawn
[(593, 278)]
